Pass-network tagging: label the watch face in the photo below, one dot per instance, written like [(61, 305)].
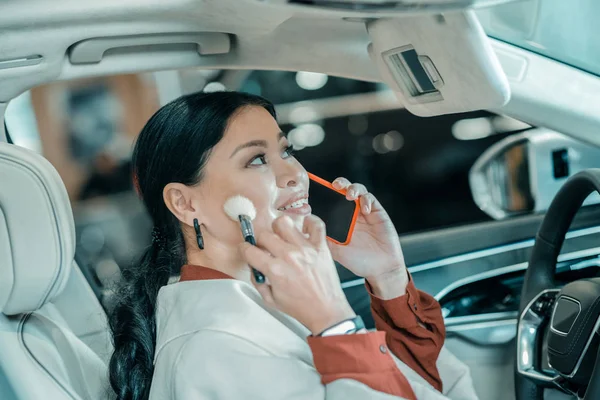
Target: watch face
[(340, 329)]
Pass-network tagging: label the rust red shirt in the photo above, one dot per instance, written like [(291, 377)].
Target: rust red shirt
[(411, 326)]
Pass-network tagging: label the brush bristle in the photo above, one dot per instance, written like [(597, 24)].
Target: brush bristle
[(239, 205)]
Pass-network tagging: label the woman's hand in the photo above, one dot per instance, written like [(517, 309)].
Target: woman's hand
[(302, 278), (374, 251)]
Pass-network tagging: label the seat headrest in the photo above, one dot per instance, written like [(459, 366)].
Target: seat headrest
[(37, 231)]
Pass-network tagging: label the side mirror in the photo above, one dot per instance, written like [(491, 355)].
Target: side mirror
[(522, 173)]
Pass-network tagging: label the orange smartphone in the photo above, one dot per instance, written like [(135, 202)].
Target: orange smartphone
[(331, 206)]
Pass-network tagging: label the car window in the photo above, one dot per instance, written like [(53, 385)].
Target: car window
[(532, 24), (417, 167), (21, 121), (86, 129)]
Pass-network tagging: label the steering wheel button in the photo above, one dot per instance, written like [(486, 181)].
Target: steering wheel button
[(566, 312), (538, 306)]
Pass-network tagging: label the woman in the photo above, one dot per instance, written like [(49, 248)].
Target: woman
[(217, 334)]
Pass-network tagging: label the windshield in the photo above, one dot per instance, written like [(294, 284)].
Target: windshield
[(564, 30)]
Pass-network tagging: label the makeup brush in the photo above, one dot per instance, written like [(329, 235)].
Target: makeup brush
[(240, 208)]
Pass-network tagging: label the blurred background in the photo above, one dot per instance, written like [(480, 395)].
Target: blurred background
[(417, 167)]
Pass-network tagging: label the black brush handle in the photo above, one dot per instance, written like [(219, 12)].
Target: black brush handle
[(258, 276)]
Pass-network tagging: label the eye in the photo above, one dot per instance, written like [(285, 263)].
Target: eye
[(288, 152), (258, 160)]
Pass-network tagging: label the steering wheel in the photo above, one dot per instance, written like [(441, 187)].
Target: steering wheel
[(558, 329)]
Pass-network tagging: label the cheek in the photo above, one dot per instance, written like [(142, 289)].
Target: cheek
[(261, 190), (223, 228), (266, 211), (263, 194)]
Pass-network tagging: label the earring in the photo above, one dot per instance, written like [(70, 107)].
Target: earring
[(199, 237)]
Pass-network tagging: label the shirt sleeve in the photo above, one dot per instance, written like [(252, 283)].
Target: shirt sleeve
[(217, 365), (361, 357), (415, 330)]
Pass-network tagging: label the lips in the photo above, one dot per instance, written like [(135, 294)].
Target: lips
[(295, 204), (296, 201), (296, 207)]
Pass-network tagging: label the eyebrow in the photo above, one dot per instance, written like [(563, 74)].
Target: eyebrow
[(256, 143)]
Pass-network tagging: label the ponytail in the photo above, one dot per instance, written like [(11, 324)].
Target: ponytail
[(133, 321), (134, 329)]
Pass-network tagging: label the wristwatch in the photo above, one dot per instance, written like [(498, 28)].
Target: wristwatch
[(345, 327)]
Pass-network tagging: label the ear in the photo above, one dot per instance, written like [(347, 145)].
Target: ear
[(179, 199)]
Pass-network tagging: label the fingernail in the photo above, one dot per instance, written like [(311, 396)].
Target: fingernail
[(366, 208), (352, 193)]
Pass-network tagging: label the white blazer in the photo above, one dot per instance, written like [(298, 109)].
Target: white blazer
[(217, 340)]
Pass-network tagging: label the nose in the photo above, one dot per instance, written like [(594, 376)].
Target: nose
[(291, 174)]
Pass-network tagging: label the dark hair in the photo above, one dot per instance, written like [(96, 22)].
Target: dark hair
[(173, 147)]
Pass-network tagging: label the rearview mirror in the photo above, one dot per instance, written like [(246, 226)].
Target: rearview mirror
[(522, 173)]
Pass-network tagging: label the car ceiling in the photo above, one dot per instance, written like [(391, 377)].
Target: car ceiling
[(265, 35)]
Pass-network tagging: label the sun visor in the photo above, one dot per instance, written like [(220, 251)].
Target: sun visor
[(438, 64)]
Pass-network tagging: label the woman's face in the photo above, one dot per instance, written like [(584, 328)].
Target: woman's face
[(253, 159)]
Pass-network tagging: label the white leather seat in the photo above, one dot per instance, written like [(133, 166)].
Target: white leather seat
[(54, 341)]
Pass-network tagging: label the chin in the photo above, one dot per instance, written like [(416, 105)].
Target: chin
[(298, 221), (297, 218)]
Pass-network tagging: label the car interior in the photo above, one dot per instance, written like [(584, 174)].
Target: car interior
[(475, 122)]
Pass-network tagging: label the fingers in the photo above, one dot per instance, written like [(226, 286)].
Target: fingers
[(341, 183), (285, 228), (315, 228), (260, 259), (274, 244), (356, 191), (265, 291), (353, 190), (284, 239), (273, 269), (366, 203)]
